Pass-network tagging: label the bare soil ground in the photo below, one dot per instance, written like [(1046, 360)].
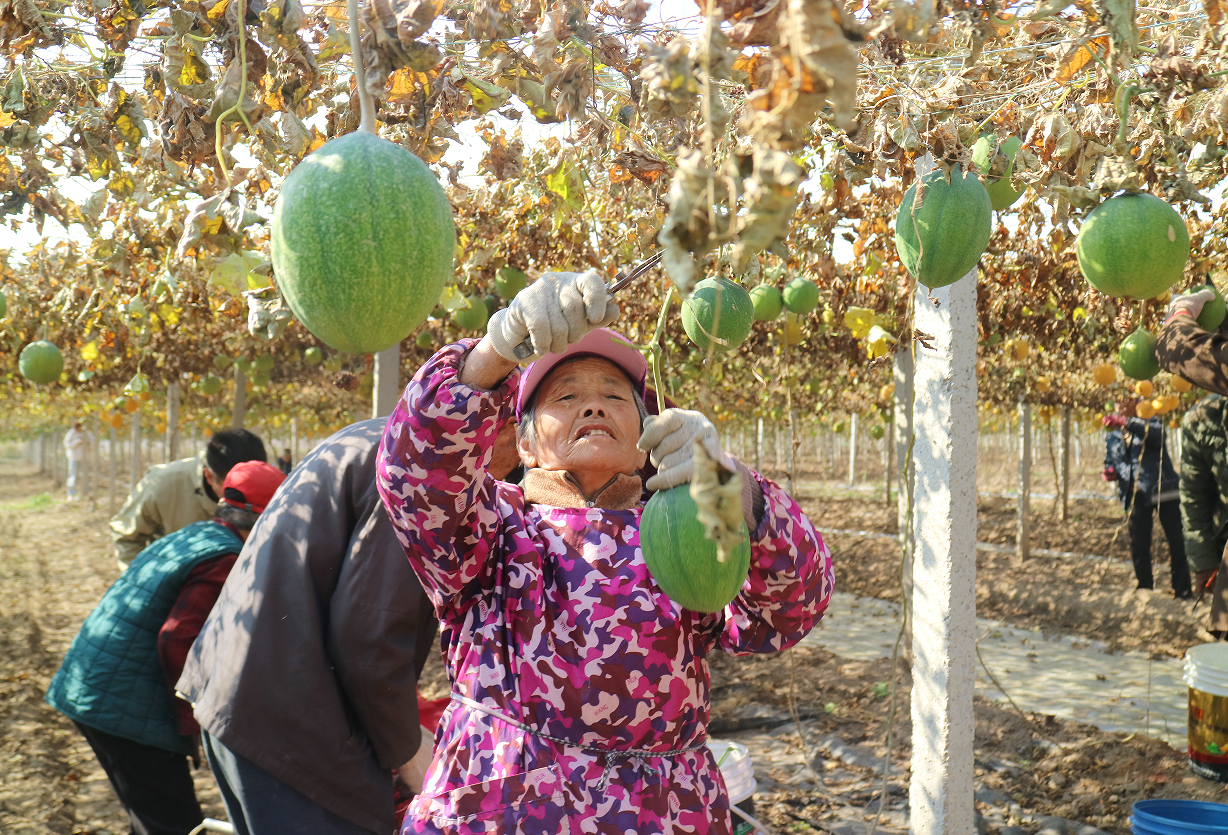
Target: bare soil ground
[(55, 564), (1092, 594)]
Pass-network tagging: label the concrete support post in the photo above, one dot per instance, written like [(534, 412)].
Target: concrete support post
[(387, 388), (294, 439), (944, 567), (112, 468), (853, 450), (1064, 463), (172, 421), (1023, 546), (792, 439), (135, 474), (759, 445), (902, 429), (91, 480), (240, 402)]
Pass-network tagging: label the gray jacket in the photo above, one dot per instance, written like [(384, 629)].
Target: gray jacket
[(309, 662)]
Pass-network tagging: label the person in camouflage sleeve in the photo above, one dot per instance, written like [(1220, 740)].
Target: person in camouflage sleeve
[(1204, 490), (580, 698), (1200, 356)]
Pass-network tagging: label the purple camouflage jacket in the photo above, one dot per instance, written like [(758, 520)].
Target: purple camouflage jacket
[(580, 690)]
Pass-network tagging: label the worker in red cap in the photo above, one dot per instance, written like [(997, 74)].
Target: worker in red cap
[(117, 680)]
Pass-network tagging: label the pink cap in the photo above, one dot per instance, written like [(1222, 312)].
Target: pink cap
[(601, 342)]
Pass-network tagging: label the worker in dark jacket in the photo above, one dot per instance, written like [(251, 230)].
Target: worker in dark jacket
[(1137, 459), (304, 677), (116, 681), (1200, 356)]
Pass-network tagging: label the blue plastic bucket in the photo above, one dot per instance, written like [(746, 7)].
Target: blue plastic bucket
[(1179, 817)]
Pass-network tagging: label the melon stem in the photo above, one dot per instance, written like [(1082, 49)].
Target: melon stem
[(365, 103)]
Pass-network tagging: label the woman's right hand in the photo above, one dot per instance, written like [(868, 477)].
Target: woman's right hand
[(553, 312)]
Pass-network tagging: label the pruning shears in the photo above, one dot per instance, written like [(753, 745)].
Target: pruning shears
[(525, 349)]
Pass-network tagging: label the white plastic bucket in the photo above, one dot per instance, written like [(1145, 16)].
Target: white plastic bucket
[(1206, 673), (736, 768)]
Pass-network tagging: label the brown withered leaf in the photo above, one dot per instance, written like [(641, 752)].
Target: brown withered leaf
[(390, 39), (1169, 69), (227, 93), (22, 26), (186, 136), (754, 22), (1078, 57), (573, 86), (504, 159), (640, 165), (717, 493), (670, 89), (688, 230), (769, 198), (815, 63)]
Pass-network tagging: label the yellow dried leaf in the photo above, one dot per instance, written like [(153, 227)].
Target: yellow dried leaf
[(1075, 60)]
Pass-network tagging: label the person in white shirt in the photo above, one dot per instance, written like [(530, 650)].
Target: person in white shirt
[(77, 444)]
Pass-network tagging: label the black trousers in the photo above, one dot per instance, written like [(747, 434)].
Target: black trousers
[(1141, 521), (153, 784)]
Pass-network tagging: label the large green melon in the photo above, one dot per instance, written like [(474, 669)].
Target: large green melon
[(682, 560), (1133, 246), (943, 227), (41, 362), (1137, 355), (362, 242), (731, 327)]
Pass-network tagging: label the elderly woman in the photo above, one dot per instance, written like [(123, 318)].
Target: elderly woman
[(580, 690)]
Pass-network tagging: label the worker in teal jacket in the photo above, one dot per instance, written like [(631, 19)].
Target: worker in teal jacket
[(116, 681)]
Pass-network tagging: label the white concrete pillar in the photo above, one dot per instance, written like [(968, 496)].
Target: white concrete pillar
[(294, 439), (902, 429), (135, 474), (387, 389), (240, 401), (112, 474), (792, 441), (1023, 546), (853, 450), (172, 421), (944, 565), (759, 445), (1064, 464)]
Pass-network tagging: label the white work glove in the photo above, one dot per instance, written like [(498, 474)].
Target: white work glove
[(667, 440), (1189, 303), (555, 311)]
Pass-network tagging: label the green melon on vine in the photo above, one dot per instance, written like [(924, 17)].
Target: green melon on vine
[(683, 560), (718, 314), (943, 226), (801, 295), (1212, 315), (510, 281), (1133, 246), (1137, 355), (767, 302), (41, 362), (362, 241), (473, 316)]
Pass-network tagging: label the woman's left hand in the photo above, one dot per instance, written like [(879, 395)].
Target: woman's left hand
[(667, 440)]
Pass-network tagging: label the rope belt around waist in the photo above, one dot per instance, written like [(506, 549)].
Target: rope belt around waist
[(612, 758)]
